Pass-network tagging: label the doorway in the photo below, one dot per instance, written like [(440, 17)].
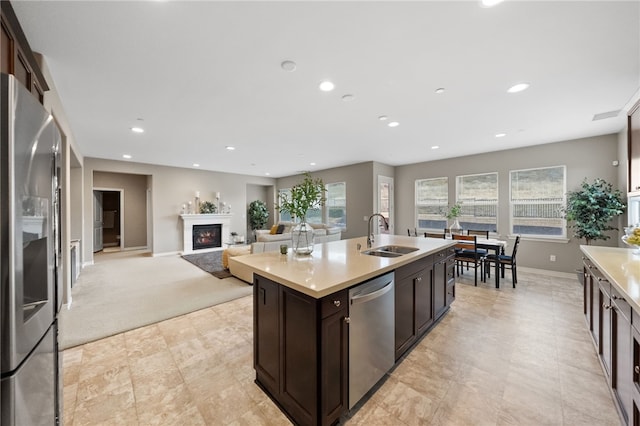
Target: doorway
[(108, 219), (385, 202)]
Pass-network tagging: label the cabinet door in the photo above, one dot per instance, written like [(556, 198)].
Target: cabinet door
[(622, 353), (299, 356), (602, 323), (451, 280), (587, 292), (596, 311), (439, 288), (423, 285), (404, 315), (334, 364), (633, 146), (266, 326)]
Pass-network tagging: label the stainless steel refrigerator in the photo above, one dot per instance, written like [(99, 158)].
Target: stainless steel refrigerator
[(30, 389)]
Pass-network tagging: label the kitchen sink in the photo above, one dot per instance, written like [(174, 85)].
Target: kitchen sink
[(389, 251)]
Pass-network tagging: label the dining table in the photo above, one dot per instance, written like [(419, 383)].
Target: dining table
[(497, 246)]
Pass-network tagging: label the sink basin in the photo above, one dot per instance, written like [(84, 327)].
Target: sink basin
[(397, 249), (389, 251), (381, 253)]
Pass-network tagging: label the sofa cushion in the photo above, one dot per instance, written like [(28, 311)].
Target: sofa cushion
[(280, 229), (273, 230)]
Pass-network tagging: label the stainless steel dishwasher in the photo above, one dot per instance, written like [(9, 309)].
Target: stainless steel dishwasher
[(371, 334)]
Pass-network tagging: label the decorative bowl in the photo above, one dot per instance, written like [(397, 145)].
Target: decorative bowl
[(635, 247)]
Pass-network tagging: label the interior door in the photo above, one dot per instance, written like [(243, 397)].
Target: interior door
[(385, 203), (97, 221)]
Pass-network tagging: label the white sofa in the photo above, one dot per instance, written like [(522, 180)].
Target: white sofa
[(270, 243), (320, 230)]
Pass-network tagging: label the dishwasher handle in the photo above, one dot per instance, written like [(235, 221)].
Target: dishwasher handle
[(362, 298)]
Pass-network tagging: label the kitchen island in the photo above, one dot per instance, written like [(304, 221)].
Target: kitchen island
[(301, 316), (612, 312)]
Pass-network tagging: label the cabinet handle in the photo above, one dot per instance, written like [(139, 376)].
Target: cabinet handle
[(336, 303), (637, 369), (607, 306), (617, 297), (419, 279), (347, 320)]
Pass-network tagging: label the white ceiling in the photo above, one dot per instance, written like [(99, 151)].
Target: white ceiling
[(206, 74)]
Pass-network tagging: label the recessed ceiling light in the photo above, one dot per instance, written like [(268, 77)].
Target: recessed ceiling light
[(196, 165), (137, 130), (312, 164), (500, 135), (127, 156), (518, 87), (327, 86), (383, 118), (288, 66), (348, 98), (440, 90), (490, 3), (267, 174), (230, 148), (393, 124), (435, 147)]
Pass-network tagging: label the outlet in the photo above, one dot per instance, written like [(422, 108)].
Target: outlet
[(552, 258)]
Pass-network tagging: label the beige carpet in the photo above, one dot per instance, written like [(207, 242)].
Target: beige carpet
[(126, 290)]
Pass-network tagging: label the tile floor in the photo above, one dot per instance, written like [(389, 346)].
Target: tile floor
[(499, 357)]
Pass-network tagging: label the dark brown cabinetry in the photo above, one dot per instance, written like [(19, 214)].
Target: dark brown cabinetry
[(300, 351), (424, 290), (16, 56), (621, 353), (609, 317), (633, 147)]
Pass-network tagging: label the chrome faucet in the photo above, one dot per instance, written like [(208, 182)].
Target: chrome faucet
[(370, 231)]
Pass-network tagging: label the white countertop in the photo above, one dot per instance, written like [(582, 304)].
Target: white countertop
[(621, 267), (337, 265)]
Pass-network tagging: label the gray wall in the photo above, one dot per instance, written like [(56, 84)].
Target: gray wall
[(170, 187), (584, 158), (134, 232), (358, 178)]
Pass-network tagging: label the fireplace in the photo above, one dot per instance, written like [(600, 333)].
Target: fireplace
[(204, 232), (207, 236)]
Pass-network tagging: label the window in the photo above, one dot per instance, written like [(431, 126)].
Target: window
[(286, 192), (336, 204), (478, 195), (537, 197), (432, 198), (334, 211)]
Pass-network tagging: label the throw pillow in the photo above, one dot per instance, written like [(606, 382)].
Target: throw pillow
[(280, 229), (273, 230)]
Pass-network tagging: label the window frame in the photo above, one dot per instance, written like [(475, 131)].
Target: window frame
[(466, 205), (560, 201), (440, 207)]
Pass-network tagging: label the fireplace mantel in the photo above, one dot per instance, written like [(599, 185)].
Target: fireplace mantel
[(188, 220)]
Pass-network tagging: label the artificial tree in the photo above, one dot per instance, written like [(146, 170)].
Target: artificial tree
[(590, 209), (258, 214)]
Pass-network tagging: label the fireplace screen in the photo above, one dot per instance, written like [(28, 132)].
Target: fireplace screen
[(207, 236)]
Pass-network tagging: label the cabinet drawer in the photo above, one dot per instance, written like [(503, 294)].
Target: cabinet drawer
[(413, 268), (621, 305), (635, 320), (333, 303), (443, 254)]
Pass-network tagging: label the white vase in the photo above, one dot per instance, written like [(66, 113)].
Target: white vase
[(302, 238)]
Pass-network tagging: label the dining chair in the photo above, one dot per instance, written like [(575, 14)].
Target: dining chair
[(434, 235), (505, 261), (469, 257), (480, 233)]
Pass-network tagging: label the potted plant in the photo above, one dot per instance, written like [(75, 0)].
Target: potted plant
[(591, 208), (258, 215), (454, 212), (305, 196)]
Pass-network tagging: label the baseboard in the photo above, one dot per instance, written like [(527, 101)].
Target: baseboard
[(548, 272), (135, 248), (166, 253)]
